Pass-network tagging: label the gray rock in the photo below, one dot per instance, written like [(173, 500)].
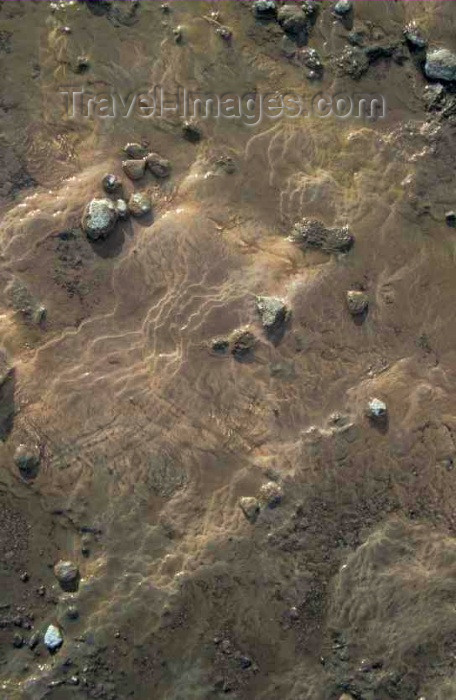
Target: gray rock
[(271, 494), (158, 166), (343, 7), (27, 459), (242, 343), (134, 169), (265, 9), (67, 574), (139, 204), (99, 218), (53, 638), (250, 507), (136, 151), (273, 312), (357, 302), (414, 37), (440, 65), (310, 233), (121, 208), (376, 409)]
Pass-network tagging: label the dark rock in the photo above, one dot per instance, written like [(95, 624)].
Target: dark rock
[(158, 166), (99, 218), (191, 132), (34, 640), (440, 65), (111, 184), (250, 507), (355, 38), (82, 64), (224, 32), (450, 218), (134, 169), (178, 33), (67, 574), (139, 204), (352, 62), (18, 641), (265, 9), (310, 233), (377, 52), (357, 302), (136, 151), (27, 459), (242, 343), (294, 22), (414, 37), (25, 577), (220, 346), (72, 613)]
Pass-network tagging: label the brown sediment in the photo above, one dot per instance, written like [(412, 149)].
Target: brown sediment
[(149, 429)]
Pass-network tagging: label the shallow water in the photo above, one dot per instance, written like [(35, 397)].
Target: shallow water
[(149, 438)]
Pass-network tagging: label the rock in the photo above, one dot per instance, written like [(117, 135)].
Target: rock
[(158, 166), (271, 494), (99, 218), (178, 33), (310, 7), (82, 64), (220, 346), (343, 7), (352, 62), (376, 410), (111, 183), (357, 302), (414, 37), (139, 204), (18, 641), (311, 59), (6, 370), (53, 638), (265, 9), (293, 21), (310, 233), (72, 613), (250, 507), (134, 169), (27, 459), (121, 208), (136, 151), (191, 132), (273, 312), (224, 32), (242, 343), (34, 640), (67, 574), (450, 218), (440, 65)]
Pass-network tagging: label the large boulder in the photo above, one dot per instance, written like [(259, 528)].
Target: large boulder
[(441, 65), (99, 218)]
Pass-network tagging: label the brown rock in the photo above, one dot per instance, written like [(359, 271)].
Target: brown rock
[(357, 302), (250, 507), (158, 166), (134, 169)]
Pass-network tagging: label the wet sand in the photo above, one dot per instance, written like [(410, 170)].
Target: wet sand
[(148, 438)]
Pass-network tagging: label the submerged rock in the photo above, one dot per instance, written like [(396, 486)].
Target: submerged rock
[(250, 507), (111, 183), (273, 312), (271, 494), (265, 9), (67, 574), (27, 459), (139, 204), (99, 218), (357, 302), (310, 233), (136, 151), (158, 166), (376, 410), (134, 169), (441, 65), (53, 638)]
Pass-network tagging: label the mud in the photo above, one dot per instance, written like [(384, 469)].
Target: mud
[(158, 403)]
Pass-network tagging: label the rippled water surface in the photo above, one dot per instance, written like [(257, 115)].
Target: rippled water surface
[(149, 438)]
